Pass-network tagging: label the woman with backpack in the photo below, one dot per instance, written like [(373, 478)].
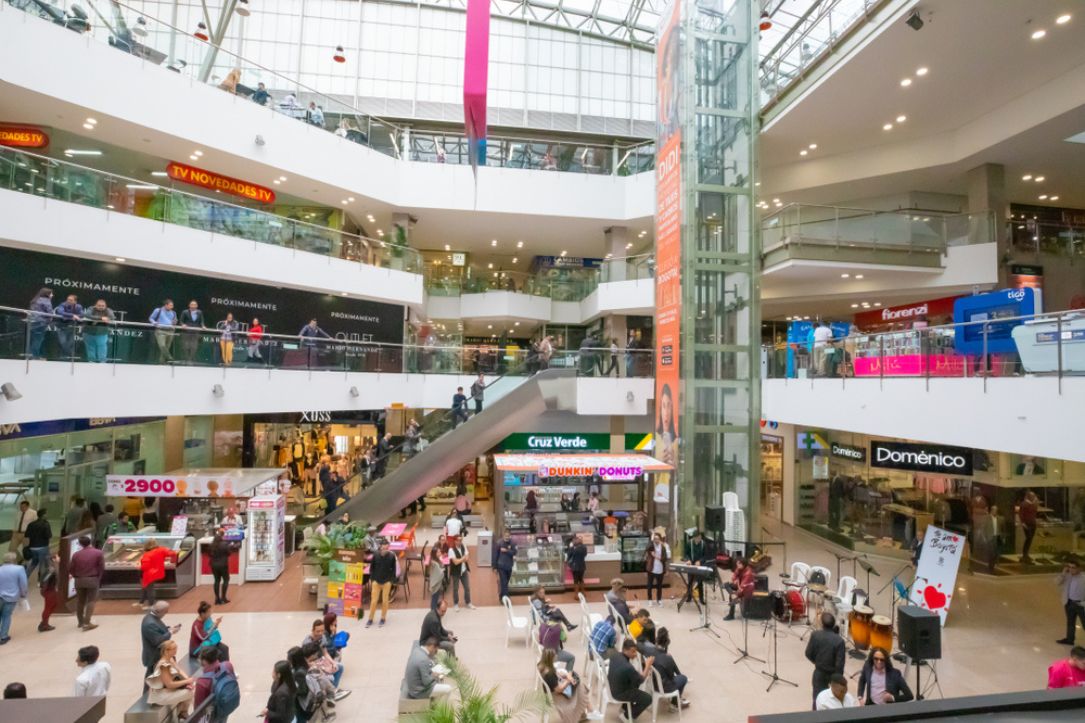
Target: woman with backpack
[(284, 691)]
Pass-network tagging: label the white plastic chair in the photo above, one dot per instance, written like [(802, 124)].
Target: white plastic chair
[(588, 619), (658, 695), (619, 623), (605, 698), (800, 573), (515, 622), (547, 694), (843, 599)]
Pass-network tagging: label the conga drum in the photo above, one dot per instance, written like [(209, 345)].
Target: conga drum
[(881, 633), (859, 621)]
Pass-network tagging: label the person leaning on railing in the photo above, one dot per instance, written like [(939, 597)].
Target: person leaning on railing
[(96, 328)]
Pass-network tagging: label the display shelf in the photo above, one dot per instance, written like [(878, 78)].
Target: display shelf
[(539, 561)]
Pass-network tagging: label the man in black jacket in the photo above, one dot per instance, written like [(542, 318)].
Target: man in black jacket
[(880, 682), (382, 573), (826, 651), (192, 326), (154, 632), (433, 627)]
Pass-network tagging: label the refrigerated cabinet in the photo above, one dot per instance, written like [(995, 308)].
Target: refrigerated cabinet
[(266, 537), (122, 578)]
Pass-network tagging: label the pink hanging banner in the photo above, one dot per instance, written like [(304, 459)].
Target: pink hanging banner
[(476, 64)]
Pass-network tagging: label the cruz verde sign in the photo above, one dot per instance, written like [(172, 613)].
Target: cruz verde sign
[(533, 442)]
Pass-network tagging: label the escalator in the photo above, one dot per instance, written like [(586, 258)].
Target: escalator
[(449, 448)]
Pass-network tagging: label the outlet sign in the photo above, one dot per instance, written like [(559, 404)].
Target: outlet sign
[(546, 442), (848, 452), (935, 458)]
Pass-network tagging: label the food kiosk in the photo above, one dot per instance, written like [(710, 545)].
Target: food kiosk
[(122, 569), (562, 486), (204, 499)]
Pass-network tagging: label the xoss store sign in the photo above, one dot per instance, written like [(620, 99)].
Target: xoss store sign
[(21, 137), (206, 179)]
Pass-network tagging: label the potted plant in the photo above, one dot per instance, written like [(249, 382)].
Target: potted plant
[(320, 550), (472, 704)]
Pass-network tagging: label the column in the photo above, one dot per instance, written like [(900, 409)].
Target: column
[(707, 254), (616, 239), (987, 193)]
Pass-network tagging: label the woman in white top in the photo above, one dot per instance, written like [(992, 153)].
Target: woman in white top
[(168, 685)]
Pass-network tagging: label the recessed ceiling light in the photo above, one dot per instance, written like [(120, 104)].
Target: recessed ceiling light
[(88, 126), (866, 304), (803, 152), (922, 71), (516, 324), (887, 127), (194, 157), (489, 266), (1043, 197), (120, 259), (447, 247), (564, 253), (877, 303), (1039, 179), (92, 121), (276, 181), (758, 184), (77, 152), (901, 118), (775, 200), (140, 187), (1053, 198), (282, 178), (1026, 177), (905, 82), (858, 276), (344, 202), (812, 146), (1038, 34), (159, 174), (494, 242), (844, 276), (489, 326), (515, 260), (343, 293), (351, 199), (1062, 19), (628, 246), (519, 244), (197, 153), (855, 306)]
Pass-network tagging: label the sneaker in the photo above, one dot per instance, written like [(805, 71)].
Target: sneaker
[(729, 617), (572, 627), (45, 628), (593, 715), (471, 607), (5, 641), (1064, 641), (456, 608), (369, 623), (382, 624), (89, 626), (340, 694)]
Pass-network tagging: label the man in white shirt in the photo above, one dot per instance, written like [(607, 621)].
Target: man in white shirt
[(453, 525), (822, 335), (23, 517), (836, 696), (93, 679)]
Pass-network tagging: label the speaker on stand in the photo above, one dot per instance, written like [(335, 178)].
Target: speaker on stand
[(919, 635)]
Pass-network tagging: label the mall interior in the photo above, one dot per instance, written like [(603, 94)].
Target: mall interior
[(795, 285)]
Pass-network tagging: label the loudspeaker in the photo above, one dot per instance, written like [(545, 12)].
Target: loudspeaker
[(919, 633), (758, 607), (715, 518), (761, 583)]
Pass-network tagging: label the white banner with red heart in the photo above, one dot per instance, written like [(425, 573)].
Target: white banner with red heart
[(936, 576)]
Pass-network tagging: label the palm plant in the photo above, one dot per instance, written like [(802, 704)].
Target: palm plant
[(475, 705), (338, 537)]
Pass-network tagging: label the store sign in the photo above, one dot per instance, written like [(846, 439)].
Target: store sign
[(1026, 276), (567, 262), (847, 451), (459, 259), (557, 442), (123, 485), (315, 417), (934, 458), (20, 137), (936, 575), (606, 471), (67, 426), (206, 179), (905, 313)]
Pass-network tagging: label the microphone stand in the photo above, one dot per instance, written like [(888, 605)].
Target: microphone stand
[(774, 676), (745, 649)]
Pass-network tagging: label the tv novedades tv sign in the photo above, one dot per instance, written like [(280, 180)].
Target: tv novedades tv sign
[(936, 458)]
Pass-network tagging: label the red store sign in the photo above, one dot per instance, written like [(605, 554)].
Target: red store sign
[(905, 314), (22, 137), (206, 179)]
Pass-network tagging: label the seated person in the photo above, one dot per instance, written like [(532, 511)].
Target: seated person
[(880, 682), (550, 638), (210, 664), (602, 638), (569, 696), (836, 696), (544, 610), (327, 663), (433, 627), (741, 586), (625, 680), (642, 628), (331, 629), (321, 672), (669, 674), (616, 598), (419, 680)]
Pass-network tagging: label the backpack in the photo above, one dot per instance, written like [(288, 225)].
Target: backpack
[(224, 691), (312, 698)]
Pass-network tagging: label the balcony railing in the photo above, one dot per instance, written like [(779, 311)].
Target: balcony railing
[(843, 228), (64, 181), (1050, 344), (158, 42), (40, 335)]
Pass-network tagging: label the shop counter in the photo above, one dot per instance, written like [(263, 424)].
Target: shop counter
[(1038, 345), (602, 567), (237, 566), (1053, 537), (122, 578)]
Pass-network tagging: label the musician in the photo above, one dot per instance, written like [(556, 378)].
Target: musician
[(741, 586), (657, 558), (698, 551), (826, 651), (880, 683)]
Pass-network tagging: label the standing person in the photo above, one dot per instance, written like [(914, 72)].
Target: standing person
[(94, 675), (309, 335), (153, 569), (630, 355), (656, 560), (826, 651), (261, 96), (1069, 673), (613, 359), (382, 572), (67, 315), (96, 328), (106, 522), (228, 329), (149, 512), (459, 407), (576, 557), (698, 552), (47, 585), (823, 334), (836, 695), (13, 588), (219, 552), (280, 706), (256, 333), (1028, 510), (435, 572), (22, 521), (168, 685), (880, 683), (86, 568), (1072, 582), (459, 572), (546, 350), (193, 325), (38, 534), (74, 517), (153, 632), (625, 680), (743, 581), (38, 321), (504, 554), (164, 319), (478, 388)]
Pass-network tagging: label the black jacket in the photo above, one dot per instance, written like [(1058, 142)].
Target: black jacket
[(382, 568), (576, 557), (280, 706), (826, 651), (432, 627), (154, 633), (38, 533), (894, 683)]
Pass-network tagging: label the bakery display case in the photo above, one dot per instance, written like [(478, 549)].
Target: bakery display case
[(123, 572), (540, 560)]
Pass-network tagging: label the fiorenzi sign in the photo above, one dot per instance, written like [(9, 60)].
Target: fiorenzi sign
[(934, 458), (846, 451), (18, 137), (207, 179)]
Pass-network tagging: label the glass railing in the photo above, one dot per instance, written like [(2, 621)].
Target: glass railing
[(1047, 238), (155, 41), (824, 24), (65, 181), (1044, 344), (628, 268), (863, 228), (90, 337)]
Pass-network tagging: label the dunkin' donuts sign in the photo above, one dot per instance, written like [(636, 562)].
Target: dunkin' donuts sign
[(607, 472), (207, 179)]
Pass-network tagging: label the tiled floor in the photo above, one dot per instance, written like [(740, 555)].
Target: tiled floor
[(1000, 637)]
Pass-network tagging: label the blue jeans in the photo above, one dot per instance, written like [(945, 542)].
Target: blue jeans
[(6, 609), (680, 683), (66, 339), (97, 346), (35, 340), (338, 675), (38, 556)]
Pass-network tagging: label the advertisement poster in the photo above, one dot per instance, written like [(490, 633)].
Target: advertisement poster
[(668, 240), (345, 575), (936, 576)]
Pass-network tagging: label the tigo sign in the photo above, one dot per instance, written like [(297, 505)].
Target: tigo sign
[(215, 182)]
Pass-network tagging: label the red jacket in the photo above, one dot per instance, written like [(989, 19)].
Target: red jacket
[(745, 582), (153, 564)]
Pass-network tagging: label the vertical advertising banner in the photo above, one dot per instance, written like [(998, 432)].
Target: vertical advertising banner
[(668, 238), (936, 575)]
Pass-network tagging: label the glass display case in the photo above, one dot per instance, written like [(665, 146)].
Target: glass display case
[(633, 548), (540, 560), (122, 565)]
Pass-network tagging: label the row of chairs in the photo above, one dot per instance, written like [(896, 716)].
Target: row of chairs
[(842, 599)]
